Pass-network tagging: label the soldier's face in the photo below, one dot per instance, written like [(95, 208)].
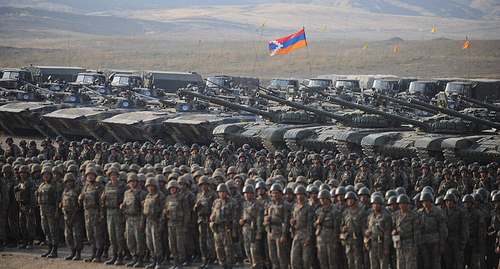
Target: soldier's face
[(376, 207), (301, 196), (249, 196), (468, 205), (351, 201), (70, 184), (204, 187), (340, 198), (276, 195), (313, 195), (46, 176), (261, 191), (90, 177), (325, 201), (173, 190), (497, 204), (427, 204), (403, 206), (151, 188), (133, 184), (364, 198), (223, 194)]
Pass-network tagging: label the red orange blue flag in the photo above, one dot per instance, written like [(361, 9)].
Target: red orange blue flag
[(286, 44)]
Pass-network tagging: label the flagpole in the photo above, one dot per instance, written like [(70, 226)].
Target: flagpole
[(308, 56), (469, 60)]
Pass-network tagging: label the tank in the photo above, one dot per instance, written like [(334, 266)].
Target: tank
[(267, 132)]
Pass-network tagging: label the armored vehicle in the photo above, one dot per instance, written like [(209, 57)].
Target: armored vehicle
[(14, 78), (348, 84), (247, 83), (170, 82)]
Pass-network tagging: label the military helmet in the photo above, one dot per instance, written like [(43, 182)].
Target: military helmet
[(400, 190), (478, 197), (301, 179), (377, 199), (22, 169), (340, 190), (390, 193), (428, 188), (248, 188), (403, 198), (112, 170), (288, 190), (392, 200), (161, 178), (73, 168), (439, 200), (151, 181), (363, 191), (417, 197), (47, 169), (69, 176), (450, 197), (454, 191), (350, 188), (300, 190), (468, 198), (324, 186), (203, 180), (132, 177), (483, 193), (141, 177), (231, 184), (351, 195), (231, 170), (312, 188), (173, 184), (7, 168), (253, 171), (184, 179), (90, 170), (426, 196), (496, 198), (277, 187), (36, 168), (324, 194), (222, 187), (261, 184)]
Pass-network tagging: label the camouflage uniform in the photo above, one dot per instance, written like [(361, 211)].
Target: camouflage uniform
[(112, 197), (73, 218), (91, 193), (132, 209), (434, 234), (225, 221), (253, 214), (302, 232), (203, 207), (49, 199), (178, 217), (355, 220), (380, 238), (277, 227), (328, 234), (364, 177), (151, 217), (12, 219), (407, 226), (4, 206), (25, 197), (476, 244), (458, 235), (382, 183)]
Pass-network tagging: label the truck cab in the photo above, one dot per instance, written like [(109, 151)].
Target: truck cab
[(126, 80), (13, 78), (90, 79), (348, 84)]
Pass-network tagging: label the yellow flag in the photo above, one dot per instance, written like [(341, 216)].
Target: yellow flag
[(433, 30), (365, 47), (262, 25), (324, 28)]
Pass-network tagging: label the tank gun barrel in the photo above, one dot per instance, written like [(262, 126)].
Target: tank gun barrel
[(320, 112), (403, 103), (314, 90), (479, 103), (224, 103), (457, 114), (377, 112), (264, 89)]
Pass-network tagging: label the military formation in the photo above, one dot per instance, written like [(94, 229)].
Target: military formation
[(169, 206)]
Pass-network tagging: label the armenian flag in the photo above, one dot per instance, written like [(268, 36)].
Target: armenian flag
[(286, 44)]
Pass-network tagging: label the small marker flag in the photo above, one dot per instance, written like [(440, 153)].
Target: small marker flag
[(324, 28), (286, 44), (365, 47), (396, 49), (433, 30), (262, 25), (466, 45)]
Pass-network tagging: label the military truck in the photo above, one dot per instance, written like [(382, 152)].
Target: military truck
[(170, 82), (247, 83), (480, 90), (348, 84), (121, 80), (12, 78), (47, 74)]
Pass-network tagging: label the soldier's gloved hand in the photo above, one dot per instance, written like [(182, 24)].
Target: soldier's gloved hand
[(267, 218), (441, 249), (81, 196), (283, 240), (293, 221), (394, 232), (212, 218), (368, 233), (497, 250), (344, 229), (242, 222), (36, 193), (122, 206)]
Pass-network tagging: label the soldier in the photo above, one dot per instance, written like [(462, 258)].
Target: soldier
[(24, 193), (327, 232), (364, 176), (101, 157), (494, 231), (202, 208), (382, 181), (406, 234), (278, 169), (223, 223), (49, 199), (111, 198), (47, 151), (91, 200), (399, 178), (296, 170), (316, 171), (12, 149), (73, 218), (33, 151), (301, 223), (87, 153), (4, 206), (353, 222), (252, 222), (195, 157), (190, 197), (477, 233), (12, 218), (277, 225), (62, 150), (243, 166), (177, 212), (458, 232), (73, 153), (434, 231), (152, 221), (378, 234), (347, 177)]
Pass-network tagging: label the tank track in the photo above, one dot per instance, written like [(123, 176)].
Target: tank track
[(343, 147), (450, 154), (370, 151), (271, 146), (423, 154), (292, 144), (221, 140)]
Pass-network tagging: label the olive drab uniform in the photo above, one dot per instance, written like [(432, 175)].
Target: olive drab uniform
[(434, 234), (4, 206), (355, 221), (73, 218), (92, 209), (302, 232), (278, 226), (62, 153), (12, 222), (151, 217), (190, 197), (328, 234), (477, 235), (458, 234), (381, 183), (132, 209), (225, 222), (203, 207), (25, 197), (379, 240), (49, 199), (253, 218), (178, 217), (112, 197), (407, 238), (364, 177)]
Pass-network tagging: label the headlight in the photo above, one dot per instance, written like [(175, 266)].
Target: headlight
[(148, 93)]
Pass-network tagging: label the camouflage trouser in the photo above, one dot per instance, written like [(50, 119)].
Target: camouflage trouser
[(354, 252), (327, 257), (177, 242), (50, 226), (453, 256), (2, 227), (153, 238), (252, 247), (189, 242), (94, 228), (116, 229), (12, 228), (278, 253), (405, 258), (206, 241), (301, 255), (27, 224), (472, 256), (430, 255), (377, 258), (224, 247), (135, 235), (73, 231)]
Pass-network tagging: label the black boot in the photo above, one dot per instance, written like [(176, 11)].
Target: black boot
[(105, 253), (133, 262), (139, 263), (152, 265), (78, 255), (1, 244), (147, 256), (98, 256), (53, 254), (71, 256), (176, 263), (94, 252), (166, 261), (210, 263), (127, 256), (180, 264), (205, 262), (188, 262), (113, 260), (49, 250), (119, 261)]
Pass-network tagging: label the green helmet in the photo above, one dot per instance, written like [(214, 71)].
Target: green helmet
[(300, 190), (152, 181), (113, 169), (248, 188), (468, 198), (496, 198), (47, 169), (350, 188), (132, 177), (377, 199), (261, 184), (324, 194), (340, 190), (203, 180), (69, 176), (426, 196), (439, 200), (483, 193), (277, 187), (450, 197), (7, 168), (312, 188), (184, 179), (390, 193), (403, 198), (400, 190), (301, 179), (363, 191), (222, 187), (392, 200), (454, 191), (22, 169), (173, 184), (351, 195)]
